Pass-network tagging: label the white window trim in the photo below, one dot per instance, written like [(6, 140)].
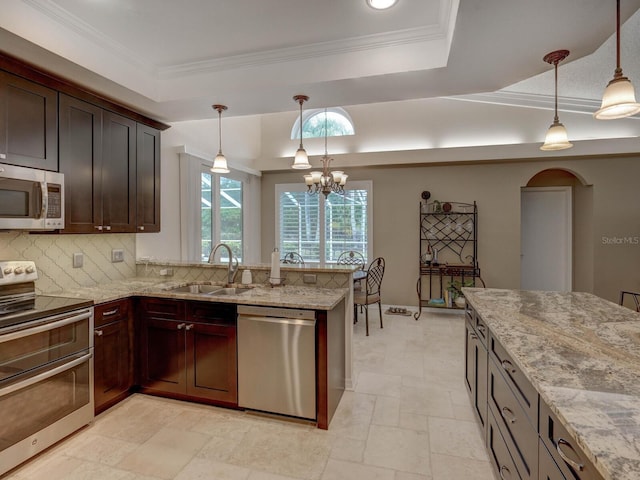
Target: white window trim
[(191, 167), (301, 187), (307, 114)]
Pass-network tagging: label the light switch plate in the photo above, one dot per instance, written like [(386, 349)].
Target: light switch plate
[(117, 255), (78, 259)]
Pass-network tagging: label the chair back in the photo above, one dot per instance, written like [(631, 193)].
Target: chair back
[(635, 296), (375, 272), (351, 258), (293, 258)]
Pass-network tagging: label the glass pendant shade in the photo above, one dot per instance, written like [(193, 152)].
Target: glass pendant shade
[(381, 4), (557, 138), (618, 101), (220, 164), (301, 160), (619, 98)]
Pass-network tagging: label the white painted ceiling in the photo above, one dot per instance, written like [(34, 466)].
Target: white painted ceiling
[(173, 59)]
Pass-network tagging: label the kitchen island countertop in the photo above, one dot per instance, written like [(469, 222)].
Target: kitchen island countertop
[(582, 354)]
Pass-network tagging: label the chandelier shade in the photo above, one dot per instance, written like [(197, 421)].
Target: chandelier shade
[(220, 162)]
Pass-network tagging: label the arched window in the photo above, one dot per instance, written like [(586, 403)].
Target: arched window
[(338, 123)]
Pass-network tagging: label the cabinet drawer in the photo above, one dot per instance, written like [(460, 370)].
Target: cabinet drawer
[(547, 468), (499, 452), (570, 459), (163, 308), (519, 384), (515, 426), (110, 312), (481, 329)]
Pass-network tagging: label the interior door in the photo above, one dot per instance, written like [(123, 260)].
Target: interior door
[(546, 239)]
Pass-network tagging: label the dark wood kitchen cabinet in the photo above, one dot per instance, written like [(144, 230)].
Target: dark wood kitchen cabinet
[(98, 158), (113, 349), (188, 350), (28, 123), (148, 179), (476, 358)]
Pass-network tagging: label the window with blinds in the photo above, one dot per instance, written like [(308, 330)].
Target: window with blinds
[(321, 229)]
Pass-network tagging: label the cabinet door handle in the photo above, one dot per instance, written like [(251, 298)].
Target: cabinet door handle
[(189, 327), (107, 228), (572, 463), (98, 333), (110, 312), (98, 227), (141, 228), (503, 470), (473, 336), (508, 415), (508, 366), (181, 326), (481, 328)]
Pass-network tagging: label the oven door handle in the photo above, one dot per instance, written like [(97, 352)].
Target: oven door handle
[(43, 328), (44, 375)]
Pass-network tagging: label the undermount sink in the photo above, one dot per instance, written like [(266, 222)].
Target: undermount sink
[(205, 289)]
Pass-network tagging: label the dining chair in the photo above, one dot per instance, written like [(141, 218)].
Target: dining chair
[(351, 257), (293, 258), (371, 293), (635, 296)]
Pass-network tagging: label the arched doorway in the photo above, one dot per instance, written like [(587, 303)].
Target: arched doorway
[(556, 232)]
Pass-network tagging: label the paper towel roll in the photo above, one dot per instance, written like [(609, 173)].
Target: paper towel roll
[(274, 277)]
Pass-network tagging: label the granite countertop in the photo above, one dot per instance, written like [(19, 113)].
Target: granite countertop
[(311, 298), (582, 354), (306, 267)]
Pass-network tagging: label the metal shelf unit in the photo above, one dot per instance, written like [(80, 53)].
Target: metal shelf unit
[(449, 232)]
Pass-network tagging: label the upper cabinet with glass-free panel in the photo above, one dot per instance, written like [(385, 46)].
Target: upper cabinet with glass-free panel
[(28, 123)]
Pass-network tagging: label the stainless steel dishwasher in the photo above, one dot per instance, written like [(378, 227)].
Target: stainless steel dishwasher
[(276, 360)]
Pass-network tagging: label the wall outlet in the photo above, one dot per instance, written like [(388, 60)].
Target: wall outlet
[(166, 272), (78, 259), (309, 278), (117, 255)]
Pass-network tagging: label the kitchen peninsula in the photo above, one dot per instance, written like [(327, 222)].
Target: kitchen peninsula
[(553, 379), (160, 305)]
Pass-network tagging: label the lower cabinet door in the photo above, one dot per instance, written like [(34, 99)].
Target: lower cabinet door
[(499, 452), (211, 362), (112, 366), (162, 355), (547, 468)]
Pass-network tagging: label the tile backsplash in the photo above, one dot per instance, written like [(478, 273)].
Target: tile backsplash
[(53, 255)]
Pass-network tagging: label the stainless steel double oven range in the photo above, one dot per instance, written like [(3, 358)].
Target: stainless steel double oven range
[(46, 365)]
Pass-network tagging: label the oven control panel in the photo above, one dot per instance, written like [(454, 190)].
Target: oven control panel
[(17, 271)]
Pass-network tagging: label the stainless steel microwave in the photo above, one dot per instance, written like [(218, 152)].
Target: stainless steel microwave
[(30, 199)]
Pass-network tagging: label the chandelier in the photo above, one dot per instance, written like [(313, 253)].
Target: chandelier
[(326, 182)]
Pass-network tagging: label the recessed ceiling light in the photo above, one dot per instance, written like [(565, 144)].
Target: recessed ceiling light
[(381, 4)]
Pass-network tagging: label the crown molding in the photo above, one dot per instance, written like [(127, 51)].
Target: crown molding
[(322, 49), (62, 17), (532, 100)]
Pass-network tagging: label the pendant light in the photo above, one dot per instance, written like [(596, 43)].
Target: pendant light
[(301, 160), (619, 99), (220, 162), (556, 138)]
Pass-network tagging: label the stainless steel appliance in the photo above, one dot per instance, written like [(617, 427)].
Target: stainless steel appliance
[(46, 365), (276, 360), (30, 199)]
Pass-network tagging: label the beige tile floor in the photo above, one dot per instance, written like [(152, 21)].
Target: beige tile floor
[(408, 418)]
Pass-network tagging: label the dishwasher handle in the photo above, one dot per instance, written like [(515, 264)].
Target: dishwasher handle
[(276, 312), (281, 321)]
